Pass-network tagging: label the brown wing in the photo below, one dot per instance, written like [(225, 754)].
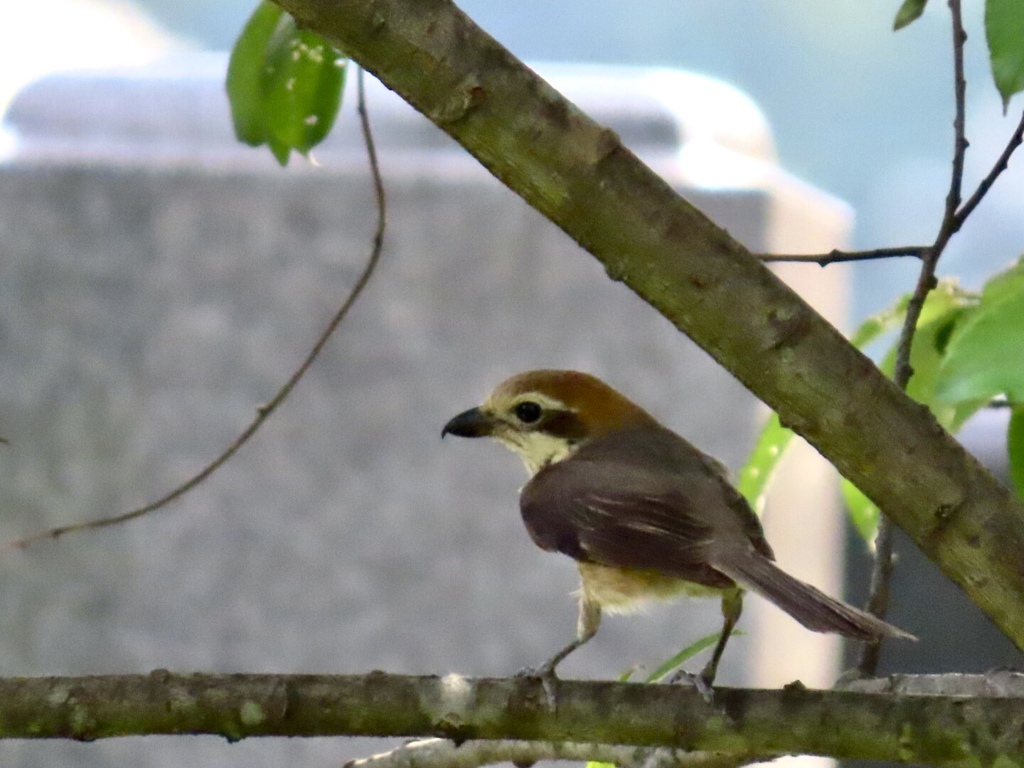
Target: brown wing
[(643, 499)]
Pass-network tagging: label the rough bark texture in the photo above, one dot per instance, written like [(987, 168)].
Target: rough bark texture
[(579, 175), (938, 730)]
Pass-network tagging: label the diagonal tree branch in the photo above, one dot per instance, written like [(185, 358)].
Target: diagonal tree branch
[(935, 729), (580, 176)]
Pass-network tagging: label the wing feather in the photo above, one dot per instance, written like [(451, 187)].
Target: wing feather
[(611, 505)]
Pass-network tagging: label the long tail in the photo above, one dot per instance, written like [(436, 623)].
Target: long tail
[(808, 605)]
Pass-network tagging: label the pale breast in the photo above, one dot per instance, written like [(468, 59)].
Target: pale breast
[(618, 590)]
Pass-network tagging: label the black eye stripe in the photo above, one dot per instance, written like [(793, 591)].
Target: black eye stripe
[(528, 411), (566, 425)]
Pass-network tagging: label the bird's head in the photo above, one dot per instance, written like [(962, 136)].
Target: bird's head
[(546, 415)]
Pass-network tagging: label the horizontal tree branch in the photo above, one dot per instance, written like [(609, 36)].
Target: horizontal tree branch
[(579, 175), (445, 753), (938, 730), (836, 256)]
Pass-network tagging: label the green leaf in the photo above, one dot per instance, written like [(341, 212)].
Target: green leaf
[(985, 354), (304, 86), (944, 308), (757, 472), (626, 674), (908, 12), (1015, 448), (928, 354), (284, 84), (887, 320), (670, 665), (864, 513), (946, 297), (1004, 29), (244, 79)]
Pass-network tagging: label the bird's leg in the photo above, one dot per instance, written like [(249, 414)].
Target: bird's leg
[(587, 622), (732, 607)]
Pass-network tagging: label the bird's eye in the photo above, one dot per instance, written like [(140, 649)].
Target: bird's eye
[(528, 411)]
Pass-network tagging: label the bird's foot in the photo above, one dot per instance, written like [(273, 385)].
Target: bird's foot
[(548, 680), (702, 682)]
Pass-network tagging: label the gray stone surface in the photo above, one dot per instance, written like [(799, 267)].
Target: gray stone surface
[(160, 282)]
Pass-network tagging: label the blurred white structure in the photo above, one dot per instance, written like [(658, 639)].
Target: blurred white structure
[(57, 35)]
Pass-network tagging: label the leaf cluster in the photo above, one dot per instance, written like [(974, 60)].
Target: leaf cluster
[(966, 355), (1004, 31), (284, 84)]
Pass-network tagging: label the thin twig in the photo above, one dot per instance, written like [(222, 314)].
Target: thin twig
[(986, 184), (834, 256), (878, 592), (881, 575), (263, 412), (443, 753), (959, 120), (953, 217)]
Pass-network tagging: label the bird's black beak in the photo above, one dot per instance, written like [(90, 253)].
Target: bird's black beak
[(471, 423)]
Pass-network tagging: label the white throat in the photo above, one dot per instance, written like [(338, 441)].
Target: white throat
[(538, 449)]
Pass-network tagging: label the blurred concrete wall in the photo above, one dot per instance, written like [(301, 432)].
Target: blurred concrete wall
[(160, 282)]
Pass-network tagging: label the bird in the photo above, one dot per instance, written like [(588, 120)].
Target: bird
[(644, 513)]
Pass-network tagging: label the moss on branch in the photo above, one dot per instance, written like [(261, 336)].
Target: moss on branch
[(939, 730)]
